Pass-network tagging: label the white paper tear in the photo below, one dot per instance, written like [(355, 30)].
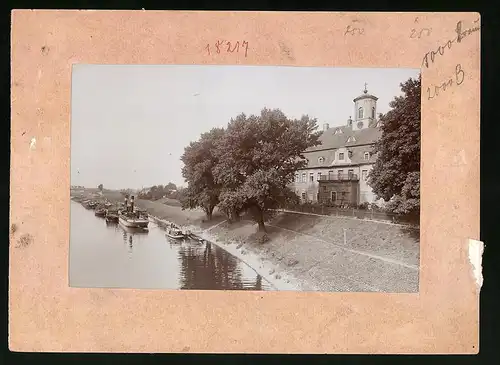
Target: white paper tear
[(476, 249), (33, 143)]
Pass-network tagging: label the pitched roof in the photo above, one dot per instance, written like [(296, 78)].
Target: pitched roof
[(329, 139), (357, 157)]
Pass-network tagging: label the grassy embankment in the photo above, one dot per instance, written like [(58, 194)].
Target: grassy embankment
[(334, 253)]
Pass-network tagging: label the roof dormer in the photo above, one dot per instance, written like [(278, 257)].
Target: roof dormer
[(351, 139)]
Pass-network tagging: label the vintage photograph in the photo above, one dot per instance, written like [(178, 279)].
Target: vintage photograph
[(245, 178)]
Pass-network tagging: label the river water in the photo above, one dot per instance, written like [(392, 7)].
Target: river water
[(110, 256)]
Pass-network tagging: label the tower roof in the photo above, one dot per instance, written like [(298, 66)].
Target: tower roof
[(365, 95)]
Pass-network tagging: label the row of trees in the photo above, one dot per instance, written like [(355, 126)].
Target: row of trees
[(247, 166), (159, 191)]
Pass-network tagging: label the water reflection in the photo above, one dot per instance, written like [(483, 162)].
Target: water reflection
[(207, 266), (128, 237), (104, 254)]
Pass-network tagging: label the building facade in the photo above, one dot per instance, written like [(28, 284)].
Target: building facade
[(337, 170)]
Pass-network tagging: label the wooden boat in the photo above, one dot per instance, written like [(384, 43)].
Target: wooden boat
[(111, 216), (100, 212), (91, 205), (132, 221), (175, 233)]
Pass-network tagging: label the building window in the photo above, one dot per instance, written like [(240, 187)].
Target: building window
[(304, 177), (319, 175), (360, 113), (304, 196), (373, 112), (324, 188), (340, 174), (311, 176), (330, 175), (350, 173), (367, 155), (297, 178), (364, 174), (341, 156), (334, 196), (321, 160)]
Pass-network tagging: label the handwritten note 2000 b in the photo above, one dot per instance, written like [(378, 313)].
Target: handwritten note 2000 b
[(227, 47)]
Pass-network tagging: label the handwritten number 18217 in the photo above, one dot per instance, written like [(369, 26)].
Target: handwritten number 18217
[(228, 47)]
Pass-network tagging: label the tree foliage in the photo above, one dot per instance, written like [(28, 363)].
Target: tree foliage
[(199, 160), (100, 187), (247, 166), (396, 174), (158, 191)]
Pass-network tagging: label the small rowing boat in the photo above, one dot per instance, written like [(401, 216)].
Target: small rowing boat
[(175, 233)]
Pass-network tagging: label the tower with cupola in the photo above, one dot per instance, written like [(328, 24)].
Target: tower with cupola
[(365, 110)]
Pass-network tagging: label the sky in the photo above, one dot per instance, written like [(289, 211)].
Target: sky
[(130, 123)]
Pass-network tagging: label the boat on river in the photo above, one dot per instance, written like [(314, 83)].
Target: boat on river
[(111, 216), (175, 233), (132, 220), (100, 212)]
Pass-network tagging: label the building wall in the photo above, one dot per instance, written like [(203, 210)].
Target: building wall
[(346, 192), (311, 188), (366, 194)]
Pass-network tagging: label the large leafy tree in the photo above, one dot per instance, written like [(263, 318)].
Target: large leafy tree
[(257, 159), (396, 174), (199, 160)]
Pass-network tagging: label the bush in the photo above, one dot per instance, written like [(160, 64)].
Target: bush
[(363, 206)]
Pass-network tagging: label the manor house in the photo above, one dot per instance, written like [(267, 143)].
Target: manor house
[(337, 170)]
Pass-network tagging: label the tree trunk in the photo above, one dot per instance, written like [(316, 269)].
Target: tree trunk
[(262, 227), (208, 212), (260, 219)]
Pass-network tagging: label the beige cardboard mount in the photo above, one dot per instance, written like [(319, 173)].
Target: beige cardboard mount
[(45, 314)]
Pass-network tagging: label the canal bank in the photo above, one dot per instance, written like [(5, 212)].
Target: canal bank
[(266, 269), (110, 255), (313, 252), (195, 221)]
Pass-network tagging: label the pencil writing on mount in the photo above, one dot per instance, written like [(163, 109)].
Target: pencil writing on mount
[(222, 46), (461, 33)]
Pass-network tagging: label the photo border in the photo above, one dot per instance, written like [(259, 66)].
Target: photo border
[(45, 314)]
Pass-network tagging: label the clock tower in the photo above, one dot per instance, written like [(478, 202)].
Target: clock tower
[(365, 110)]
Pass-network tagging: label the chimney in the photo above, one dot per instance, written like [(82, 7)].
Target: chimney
[(326, 126), (132, 203)]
